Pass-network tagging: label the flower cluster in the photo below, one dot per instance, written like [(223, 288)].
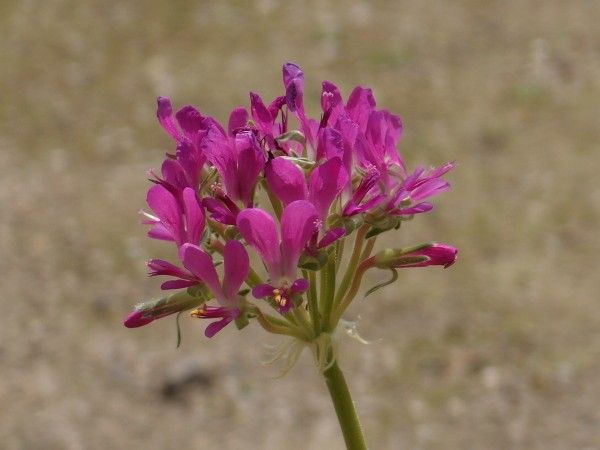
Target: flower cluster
[(296, 192)]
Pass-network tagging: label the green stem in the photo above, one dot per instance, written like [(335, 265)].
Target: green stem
[(352, 265), (327, 290), (344, 408), (313, 301)]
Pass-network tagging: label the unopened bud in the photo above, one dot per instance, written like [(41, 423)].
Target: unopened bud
[(431, 254), (147, 312)]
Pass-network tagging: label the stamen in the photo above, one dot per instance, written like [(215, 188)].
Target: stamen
[(198, 312)]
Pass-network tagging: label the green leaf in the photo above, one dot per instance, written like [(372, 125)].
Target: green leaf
[(384, 284)]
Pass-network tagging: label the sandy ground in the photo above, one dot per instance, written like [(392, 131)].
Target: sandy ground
[(499, 352)]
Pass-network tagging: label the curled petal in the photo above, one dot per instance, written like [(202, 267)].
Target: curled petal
[(164, 113)]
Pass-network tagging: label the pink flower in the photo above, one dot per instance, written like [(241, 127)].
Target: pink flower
[(178, 221), (299, 222), (239, 160), (236, 268)]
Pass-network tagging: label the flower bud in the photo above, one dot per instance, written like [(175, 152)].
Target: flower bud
[(431, 254), (146, 312)]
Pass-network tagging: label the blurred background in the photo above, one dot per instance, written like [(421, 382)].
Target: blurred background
[(502, 351)]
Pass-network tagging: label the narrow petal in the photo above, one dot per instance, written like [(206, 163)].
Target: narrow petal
[(162, 267), (201, 264), (237, 266), (259, 230), (293, 80), (194, 216), (331, 236), (164, 113), (286, 180), (177, 284), (217, 326), (262, 291), (417, 209), (326, 182), (299, 222), (136, 319), (250, 162)]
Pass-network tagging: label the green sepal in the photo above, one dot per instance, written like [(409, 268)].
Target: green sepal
[(314, 263), (179, 301), (242, 321), (292, 135), (384, 284), (374, 231)]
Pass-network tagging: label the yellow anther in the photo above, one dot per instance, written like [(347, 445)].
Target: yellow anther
[(276, 292), (198, 312)]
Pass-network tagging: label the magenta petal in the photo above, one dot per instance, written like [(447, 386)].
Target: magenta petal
[(194, 216), (262, 290), (429, 189), (259, 230), (201, 264), (164, 205), (330, 144), (164, 113), (331, 236), (299, 222), (250, 162), (237, 119), (286, 180), (218, 211), (299, 286), (359, 106), (136, 319), (261, 114), (217, 326), (177, 284), (237, 266), (162, 267), (158, 231), (190, 120), (326, 182), (293, 80)]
